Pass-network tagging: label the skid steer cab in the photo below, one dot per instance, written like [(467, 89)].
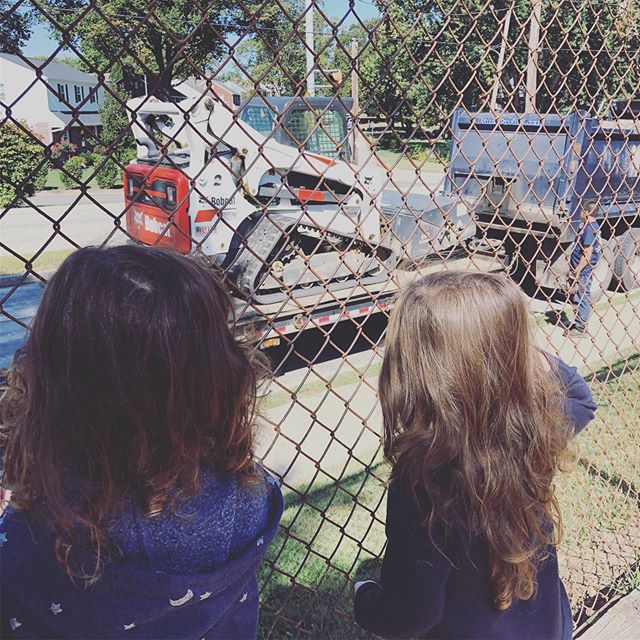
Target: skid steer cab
[(267, 192)]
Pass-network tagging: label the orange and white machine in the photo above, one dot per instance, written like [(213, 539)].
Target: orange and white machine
[(280, 220)]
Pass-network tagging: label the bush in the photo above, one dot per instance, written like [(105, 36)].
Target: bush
[(62, 150), (89, 158), (418, 153), (108, 174), (73, 168), (22, 169)]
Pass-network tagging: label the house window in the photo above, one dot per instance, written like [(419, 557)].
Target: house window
[(92, 96), (61, 95), (236, 100), (76, 88)]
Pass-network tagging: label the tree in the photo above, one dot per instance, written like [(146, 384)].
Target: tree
[(160, 40), (116, 134), (15, 26), (274, 56), (22, 168), (426, 58)]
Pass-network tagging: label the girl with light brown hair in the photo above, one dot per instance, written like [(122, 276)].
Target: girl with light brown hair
[(477, 422)]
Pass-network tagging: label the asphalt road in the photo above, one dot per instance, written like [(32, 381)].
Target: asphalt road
[(63, 222), (18, 304)]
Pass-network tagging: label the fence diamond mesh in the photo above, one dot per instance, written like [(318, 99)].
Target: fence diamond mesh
[(319, 155)]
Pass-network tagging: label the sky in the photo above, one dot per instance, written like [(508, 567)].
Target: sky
[(41, 43)]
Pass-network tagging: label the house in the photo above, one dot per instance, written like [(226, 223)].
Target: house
[(229, 92), (62, 103)]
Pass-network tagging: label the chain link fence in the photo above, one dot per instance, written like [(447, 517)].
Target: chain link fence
[(319, 155)]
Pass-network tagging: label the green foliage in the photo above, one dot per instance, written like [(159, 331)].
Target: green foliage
[(275, 55), (116, 130), (88, 158), (23, 170), (15, 26), (424, 59), (72, 175), (160, 48), (109, 173), (275, 58)]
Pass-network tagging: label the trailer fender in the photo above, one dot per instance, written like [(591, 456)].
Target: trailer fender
[(626, 266)]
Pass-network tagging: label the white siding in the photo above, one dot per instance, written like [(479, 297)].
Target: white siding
[(37, 104), (26, 97)]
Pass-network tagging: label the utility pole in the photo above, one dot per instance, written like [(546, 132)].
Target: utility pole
[(310, 50), (500, 66), (532, 61), (355, 110)]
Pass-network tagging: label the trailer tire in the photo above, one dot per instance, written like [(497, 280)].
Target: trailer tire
[(627, 260)]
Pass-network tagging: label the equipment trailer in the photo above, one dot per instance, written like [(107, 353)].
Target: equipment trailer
[(304, 236)]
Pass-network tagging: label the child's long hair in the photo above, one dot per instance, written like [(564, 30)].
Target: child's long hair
[(130, 382), (473, 422)]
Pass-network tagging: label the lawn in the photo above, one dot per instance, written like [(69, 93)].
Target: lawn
[(54, 181), (334, 535), (44, 262), (394, 159)]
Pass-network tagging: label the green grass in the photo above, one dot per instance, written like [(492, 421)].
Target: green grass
[(334, 535), (396, 159), (612, 443), (328, 537), (44, 262), (54, 181)]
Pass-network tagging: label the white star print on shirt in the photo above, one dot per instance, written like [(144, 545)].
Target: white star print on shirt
[(14, 623), (126, 627), (3, 538), (244, 597), (205, 595), (260, 541), (55, 608)]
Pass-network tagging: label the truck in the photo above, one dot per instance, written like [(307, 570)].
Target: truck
[(523, 179), (271, 197)]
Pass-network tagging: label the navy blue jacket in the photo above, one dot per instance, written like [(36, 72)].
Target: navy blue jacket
[(423, 595), (185, 574)]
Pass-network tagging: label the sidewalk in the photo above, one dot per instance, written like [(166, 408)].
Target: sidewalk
[(621, 622)]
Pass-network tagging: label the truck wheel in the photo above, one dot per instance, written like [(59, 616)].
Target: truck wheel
[(603, 273), (627, 259)]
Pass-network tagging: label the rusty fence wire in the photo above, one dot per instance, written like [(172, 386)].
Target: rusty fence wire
[(319, 155)]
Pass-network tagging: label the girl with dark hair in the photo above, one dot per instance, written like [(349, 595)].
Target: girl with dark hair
[(137, 509), (477, 421)]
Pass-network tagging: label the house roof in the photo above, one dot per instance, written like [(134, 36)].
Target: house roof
[(232, 86), (63, 120), (54, 71), (199, 85)]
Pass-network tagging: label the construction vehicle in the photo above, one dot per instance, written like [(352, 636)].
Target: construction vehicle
[(523, 179), (269, 195)]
